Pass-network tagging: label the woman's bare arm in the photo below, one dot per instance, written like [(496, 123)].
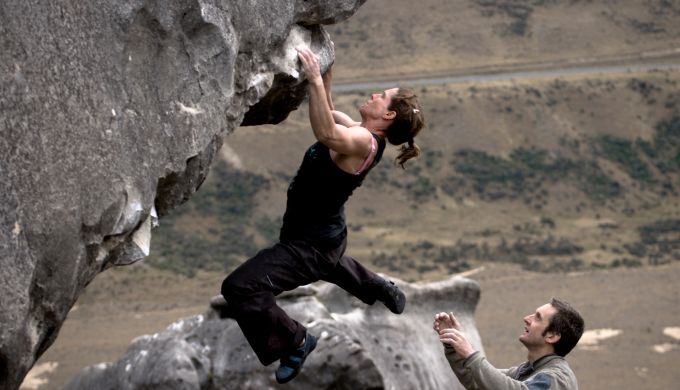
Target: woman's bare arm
[(348, 140), (343, 119)]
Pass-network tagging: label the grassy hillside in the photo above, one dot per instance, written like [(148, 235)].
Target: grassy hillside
[(553, 174), (397, 38)]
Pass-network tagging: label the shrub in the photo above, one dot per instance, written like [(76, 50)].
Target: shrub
[(595, 183), (621, 151)]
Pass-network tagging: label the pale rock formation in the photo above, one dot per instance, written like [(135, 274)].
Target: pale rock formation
[(360, 347)]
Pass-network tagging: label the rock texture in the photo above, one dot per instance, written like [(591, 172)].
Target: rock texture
[(360, 347), (111, 111)]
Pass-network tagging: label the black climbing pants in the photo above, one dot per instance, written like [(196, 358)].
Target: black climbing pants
[(251, 288)]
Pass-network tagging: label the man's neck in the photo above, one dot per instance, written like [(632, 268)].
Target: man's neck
[(536, 354)]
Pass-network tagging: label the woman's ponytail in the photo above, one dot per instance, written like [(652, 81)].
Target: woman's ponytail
[(407, 152), (407, 124)]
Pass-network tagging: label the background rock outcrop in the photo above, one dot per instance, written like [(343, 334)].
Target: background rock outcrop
[(360, 346), (110, 113)]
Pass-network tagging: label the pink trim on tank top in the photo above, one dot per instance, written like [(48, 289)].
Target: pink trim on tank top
[(368, 159)]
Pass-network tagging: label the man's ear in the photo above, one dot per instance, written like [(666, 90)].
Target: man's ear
[(552, 337)]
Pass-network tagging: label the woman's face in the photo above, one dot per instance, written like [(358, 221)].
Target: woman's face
[(377, 106)]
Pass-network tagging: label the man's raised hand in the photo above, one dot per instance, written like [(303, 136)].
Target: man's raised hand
[(445, 321)]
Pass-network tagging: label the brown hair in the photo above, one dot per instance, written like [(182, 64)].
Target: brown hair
[(568, 323), (407, 124)]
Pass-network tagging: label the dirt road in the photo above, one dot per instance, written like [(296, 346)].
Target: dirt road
[(581, 67)]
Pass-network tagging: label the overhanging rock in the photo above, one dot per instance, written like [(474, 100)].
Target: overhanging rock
[(110, 109)]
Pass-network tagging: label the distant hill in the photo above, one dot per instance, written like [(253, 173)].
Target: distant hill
[(555, 174), (401, 38)]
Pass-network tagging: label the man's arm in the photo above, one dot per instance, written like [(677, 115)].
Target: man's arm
[(348, 140), (477, 373), (444, 325)]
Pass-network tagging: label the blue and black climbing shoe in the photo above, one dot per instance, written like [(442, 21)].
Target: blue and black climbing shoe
[(290, 365)]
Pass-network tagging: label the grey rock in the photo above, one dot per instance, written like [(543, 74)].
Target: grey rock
[(360, 347), (112, 110)]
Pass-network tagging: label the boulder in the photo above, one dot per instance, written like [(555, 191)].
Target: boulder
[(111, 114), (359, 346)]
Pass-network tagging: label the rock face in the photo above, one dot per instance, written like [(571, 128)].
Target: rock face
[(360, 347), (111, 111)]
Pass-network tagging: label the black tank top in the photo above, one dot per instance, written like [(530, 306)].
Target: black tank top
[(315, 211)]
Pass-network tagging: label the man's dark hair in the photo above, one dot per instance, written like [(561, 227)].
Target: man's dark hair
[(568, 323)]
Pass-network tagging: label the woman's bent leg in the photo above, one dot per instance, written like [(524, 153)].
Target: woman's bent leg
[(250, 292)]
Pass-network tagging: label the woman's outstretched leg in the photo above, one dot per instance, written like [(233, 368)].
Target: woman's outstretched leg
[(353, 277)]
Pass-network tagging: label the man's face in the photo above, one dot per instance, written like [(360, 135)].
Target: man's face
[(378, 104), (535, 324)]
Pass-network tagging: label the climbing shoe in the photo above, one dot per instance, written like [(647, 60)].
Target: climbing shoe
[(290, 365), (390, 295)]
